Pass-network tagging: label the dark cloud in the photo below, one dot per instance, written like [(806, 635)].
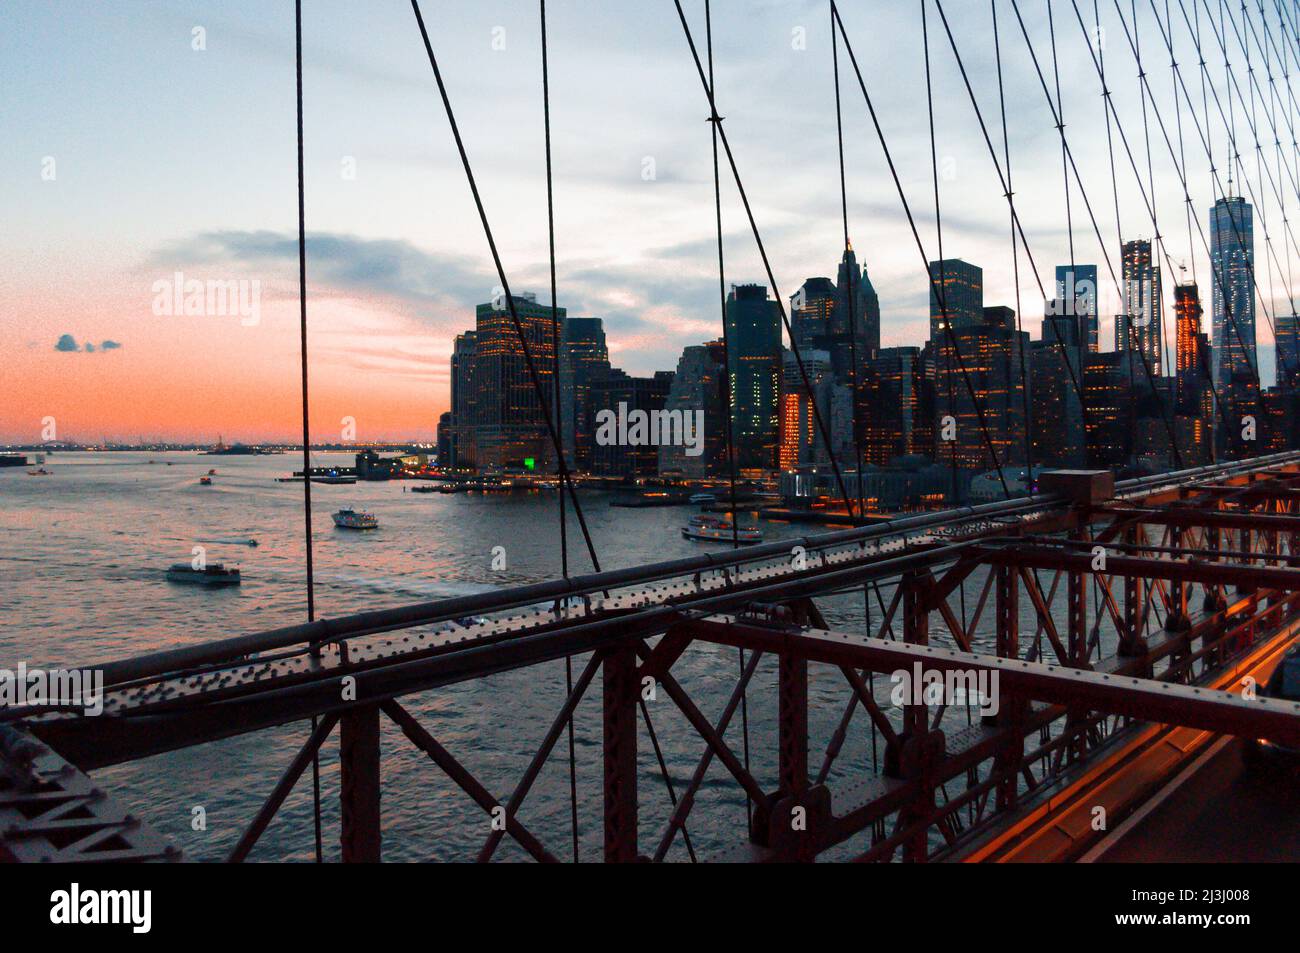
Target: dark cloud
[(68, 344), (340, 261)]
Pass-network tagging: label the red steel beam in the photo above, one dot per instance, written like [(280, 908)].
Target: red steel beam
[(359, 784), (1190, 516), (1186, 570), (1139, 698)]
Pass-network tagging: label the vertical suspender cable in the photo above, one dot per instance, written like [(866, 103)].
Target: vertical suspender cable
[(714, 120), (1015, 250), (855, 383), (559, 417), (306, 427), (543, 403)]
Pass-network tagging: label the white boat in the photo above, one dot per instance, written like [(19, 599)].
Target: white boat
[(703, 498), (355, 519), (719, 530)]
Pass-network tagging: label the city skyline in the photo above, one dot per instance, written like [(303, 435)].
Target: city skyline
[(390, 280)]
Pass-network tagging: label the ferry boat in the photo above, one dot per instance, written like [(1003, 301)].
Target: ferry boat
[(214, 574), (355, 519), (719, 530), (703, 498)]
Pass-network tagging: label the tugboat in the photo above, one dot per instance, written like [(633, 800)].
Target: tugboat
[(718, 530), (214, 574), (205, 481), (355, 519)]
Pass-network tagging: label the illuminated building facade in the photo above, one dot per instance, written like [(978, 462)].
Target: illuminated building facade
[(1232, 256), (1137, 329), (992, 355), (754, 371), (509, 425), (898, 400), (962, 285)]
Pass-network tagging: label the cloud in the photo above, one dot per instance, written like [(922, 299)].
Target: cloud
[(68, 344), (339, 261)]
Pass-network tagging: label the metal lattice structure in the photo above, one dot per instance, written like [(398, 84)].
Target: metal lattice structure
[(1199, 573)]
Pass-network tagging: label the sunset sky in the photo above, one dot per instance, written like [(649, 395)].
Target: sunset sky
[(128, 156)]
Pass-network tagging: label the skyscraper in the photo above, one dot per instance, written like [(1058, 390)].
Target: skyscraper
[(698, 385), (647, 394), (1232, 256), (800, 441), (1056, 370), (754, 370), (510, 426), (811, 308), (900, 394), (1138, 327), (584, 358), (856, 302), (962, 285), (463, 402), (1076, 291), (1189, 359), (1288, 351), (992, 354), (1193, 400)]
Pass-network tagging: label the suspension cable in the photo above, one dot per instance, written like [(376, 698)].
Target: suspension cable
[(1008, 193), (935, 287), (729, 434), (565, 475), (306, 427), (1083, 193), (555, 345), (762, 251)]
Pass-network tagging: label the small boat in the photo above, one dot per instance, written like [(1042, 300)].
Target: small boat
[(426, 488), (703, 498), (214, 574), (39, 471), (212, 473), (719, 530), (205, 481), (355, 519)]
